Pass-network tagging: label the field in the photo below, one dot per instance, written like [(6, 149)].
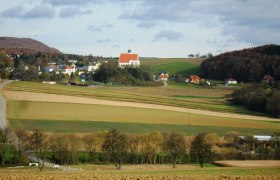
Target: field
[(177, 95), (87, 118), (184, 67), (143, 172)]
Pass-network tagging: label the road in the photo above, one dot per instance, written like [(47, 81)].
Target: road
[(3, 124), (3, 120)]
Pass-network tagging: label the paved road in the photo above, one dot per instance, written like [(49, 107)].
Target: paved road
[(3, 120), (3, 124)]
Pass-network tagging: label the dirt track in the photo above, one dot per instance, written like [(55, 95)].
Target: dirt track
[(42, 97)]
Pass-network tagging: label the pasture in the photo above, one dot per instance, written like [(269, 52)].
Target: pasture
[(78, 118)]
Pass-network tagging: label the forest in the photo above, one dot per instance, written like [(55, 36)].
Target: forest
[(248, 65), (257, 98)]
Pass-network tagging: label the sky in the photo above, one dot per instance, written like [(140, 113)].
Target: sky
[(150, 28)]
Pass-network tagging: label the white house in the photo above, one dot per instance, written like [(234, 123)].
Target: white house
[(230, 81), (128, 59), (92, 67)]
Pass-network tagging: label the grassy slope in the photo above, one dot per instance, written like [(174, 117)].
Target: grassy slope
[(67, 117), (154, 95), (174, 66)]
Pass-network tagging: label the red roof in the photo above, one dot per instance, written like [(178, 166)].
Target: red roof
[(125, 58), (68, 67)]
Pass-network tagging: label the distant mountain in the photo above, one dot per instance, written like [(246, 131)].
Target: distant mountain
[(14, 45), (247, 65)]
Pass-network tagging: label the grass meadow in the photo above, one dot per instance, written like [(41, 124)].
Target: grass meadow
[(78, 118)]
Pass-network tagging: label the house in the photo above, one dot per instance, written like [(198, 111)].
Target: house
[(68, 70), (73, 61), (128, 59), (50, 68), (194, 79), (163, 76), (230, 81), (91, 67)]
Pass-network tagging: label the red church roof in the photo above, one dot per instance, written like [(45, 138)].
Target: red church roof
[(125, 58)]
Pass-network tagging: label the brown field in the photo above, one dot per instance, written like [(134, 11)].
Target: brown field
[(140, 172), (249, 163)]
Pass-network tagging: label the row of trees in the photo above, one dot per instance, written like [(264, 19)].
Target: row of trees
[(119, 148), (249, 65), (258, 99)]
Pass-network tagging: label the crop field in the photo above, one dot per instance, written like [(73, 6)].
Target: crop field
[(142, 172), (184, 96), (73, 117)]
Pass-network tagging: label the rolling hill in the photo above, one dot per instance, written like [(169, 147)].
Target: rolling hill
[(14, 45), (247, 65)]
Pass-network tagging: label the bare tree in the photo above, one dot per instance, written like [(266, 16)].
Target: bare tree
[(92, 143), (39, 144), (59, 145), (175, 146), (5, 140), (21, 141), (74, 145), (115, 144), (153, 143)]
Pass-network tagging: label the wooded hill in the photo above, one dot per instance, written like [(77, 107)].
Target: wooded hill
[(248, 65), (12, 45)]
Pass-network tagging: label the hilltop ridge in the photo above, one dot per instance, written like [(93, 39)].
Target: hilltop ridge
[(12, 45)]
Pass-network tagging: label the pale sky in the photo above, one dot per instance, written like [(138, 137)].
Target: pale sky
[(151, 28)]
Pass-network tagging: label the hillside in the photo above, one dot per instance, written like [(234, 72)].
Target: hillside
[(248, 65), (25, 46)]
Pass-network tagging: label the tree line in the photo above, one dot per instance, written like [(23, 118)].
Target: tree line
[(121, 148), (111, 73), (257, 98), (248, 65)]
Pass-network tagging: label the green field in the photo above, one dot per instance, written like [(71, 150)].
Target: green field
[(175, 66), (138, 128), (78, 118)]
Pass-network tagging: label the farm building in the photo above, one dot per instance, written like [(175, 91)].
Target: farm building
[(259, 138), (230, 81), (128, 59), (163, 76), (194, 79)]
